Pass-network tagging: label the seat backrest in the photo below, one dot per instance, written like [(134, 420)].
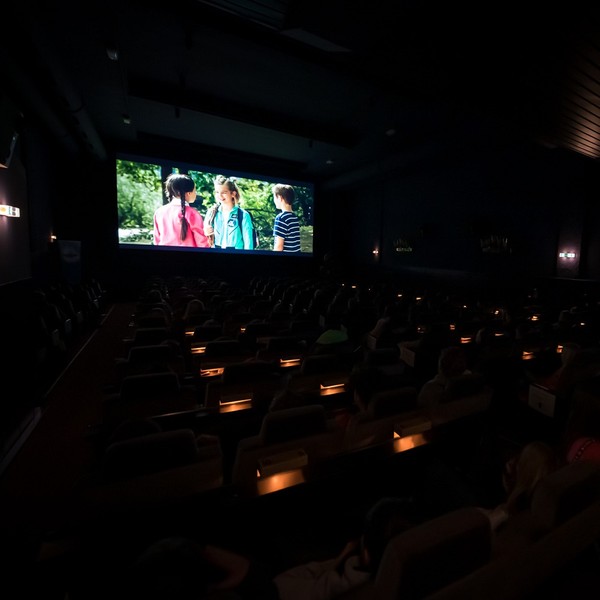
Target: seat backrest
[(392, 402), (557, 497), (150, 453), (433, 554), (220, 348), (302, 430), (149, 353), (584, 413), (205, 333), (565, 492), (318, 364), (150, 335), (149, 385), (376, 425), (247, 371), (286, 343), (290, 423), (382, 356), (532, 572), (464, 385), (155, 318), (467, 395)]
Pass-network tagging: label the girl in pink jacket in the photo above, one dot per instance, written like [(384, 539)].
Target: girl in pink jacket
[(177, 223)]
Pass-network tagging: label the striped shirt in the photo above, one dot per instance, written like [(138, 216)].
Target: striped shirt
[(287, 227)]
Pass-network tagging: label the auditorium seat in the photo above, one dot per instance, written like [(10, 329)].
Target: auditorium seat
[(286, 352), (318, 369), (152, 472), (429, 556), (154, 452), (249, 383), (304, 432), (147, 395), (148, 335), (421, 354), (217, 353), (558, 497), (387, 360), (465, 395), (254, 331), (152, 358), (541, 558), (377, 424), (153, 316)]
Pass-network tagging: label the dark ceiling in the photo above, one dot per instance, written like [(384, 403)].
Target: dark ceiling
[(332, 90)]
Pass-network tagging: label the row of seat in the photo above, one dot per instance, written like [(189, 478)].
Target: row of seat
[(176, 459), (456, 556), (242, 381), (45, 325)]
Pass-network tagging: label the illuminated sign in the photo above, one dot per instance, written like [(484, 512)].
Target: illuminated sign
[(9, 211)]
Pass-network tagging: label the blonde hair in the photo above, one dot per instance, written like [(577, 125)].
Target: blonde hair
[(535, 461)]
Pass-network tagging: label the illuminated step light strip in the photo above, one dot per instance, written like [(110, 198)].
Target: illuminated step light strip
[(9, 211), (234, 407), (327, 389), (211, 372), (290, 362), (233, 399)]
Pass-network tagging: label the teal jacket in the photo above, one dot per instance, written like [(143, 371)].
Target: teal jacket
[(230, 234)]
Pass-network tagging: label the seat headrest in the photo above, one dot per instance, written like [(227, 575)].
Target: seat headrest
[(435, 553), (565, 492), (291, 423), (285, 343), (463, 385), (150, 384), (150, 352), (150, 453), (246, 372), (320, 363), (391, 402), (207, 332), (151, 335), (383, 356), (223, 348)]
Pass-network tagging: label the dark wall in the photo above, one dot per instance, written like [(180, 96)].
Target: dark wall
[(446, 206), (496, 211)]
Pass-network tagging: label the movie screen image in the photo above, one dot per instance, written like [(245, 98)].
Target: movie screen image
[(141, 192)]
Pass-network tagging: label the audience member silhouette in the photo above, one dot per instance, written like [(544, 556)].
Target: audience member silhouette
[(520, 477), (358, 561), (452, 362), (180, 568)]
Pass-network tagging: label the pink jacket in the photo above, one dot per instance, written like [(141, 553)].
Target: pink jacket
[(167, 226)]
